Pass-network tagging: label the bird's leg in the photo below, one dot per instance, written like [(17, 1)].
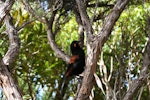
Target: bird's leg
[(79, 78)]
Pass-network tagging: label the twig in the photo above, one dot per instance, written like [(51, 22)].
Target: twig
[(24, 24)]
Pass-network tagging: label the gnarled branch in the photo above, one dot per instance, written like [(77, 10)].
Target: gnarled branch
[(14, 46), (52, 42), (50, 33), (7, 83)]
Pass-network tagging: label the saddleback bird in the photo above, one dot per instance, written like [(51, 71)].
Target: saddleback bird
[(76, 64)]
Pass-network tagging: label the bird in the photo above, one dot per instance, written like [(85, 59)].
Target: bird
[(77, 60), (76, 63)]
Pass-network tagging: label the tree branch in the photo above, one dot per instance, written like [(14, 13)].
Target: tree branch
[(51, 39), (5, 8), (8, 84), (111, 20), (14, 46), (25, 24), (50, 34), (85, 19), (80, 26)]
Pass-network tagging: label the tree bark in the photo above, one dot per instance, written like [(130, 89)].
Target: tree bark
[(9, 86), (5, 8), (95, 43), (14, 41)]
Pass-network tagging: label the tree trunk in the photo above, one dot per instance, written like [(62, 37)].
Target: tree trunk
[(9, 86), (7, 83), (95, 43)]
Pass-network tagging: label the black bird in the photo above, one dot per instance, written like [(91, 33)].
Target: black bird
[(77, 60), (76, 64)]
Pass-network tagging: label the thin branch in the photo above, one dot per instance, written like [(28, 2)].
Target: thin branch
[(51, 39), (95, 9), (85, 19), (140, 94), (58, 24), (99, 16), (99, 83), (111, 69), (25, 24), (80, 26)]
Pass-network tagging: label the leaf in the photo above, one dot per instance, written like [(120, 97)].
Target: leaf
[(99, 83)]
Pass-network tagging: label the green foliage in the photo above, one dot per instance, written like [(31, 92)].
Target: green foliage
[(39, 71), (37, 62), (67, 34), (126, 45), (37, 68)]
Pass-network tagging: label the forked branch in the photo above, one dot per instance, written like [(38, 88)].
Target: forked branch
[(50, 33)]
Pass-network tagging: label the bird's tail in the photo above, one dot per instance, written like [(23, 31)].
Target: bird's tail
[(64, 85)]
